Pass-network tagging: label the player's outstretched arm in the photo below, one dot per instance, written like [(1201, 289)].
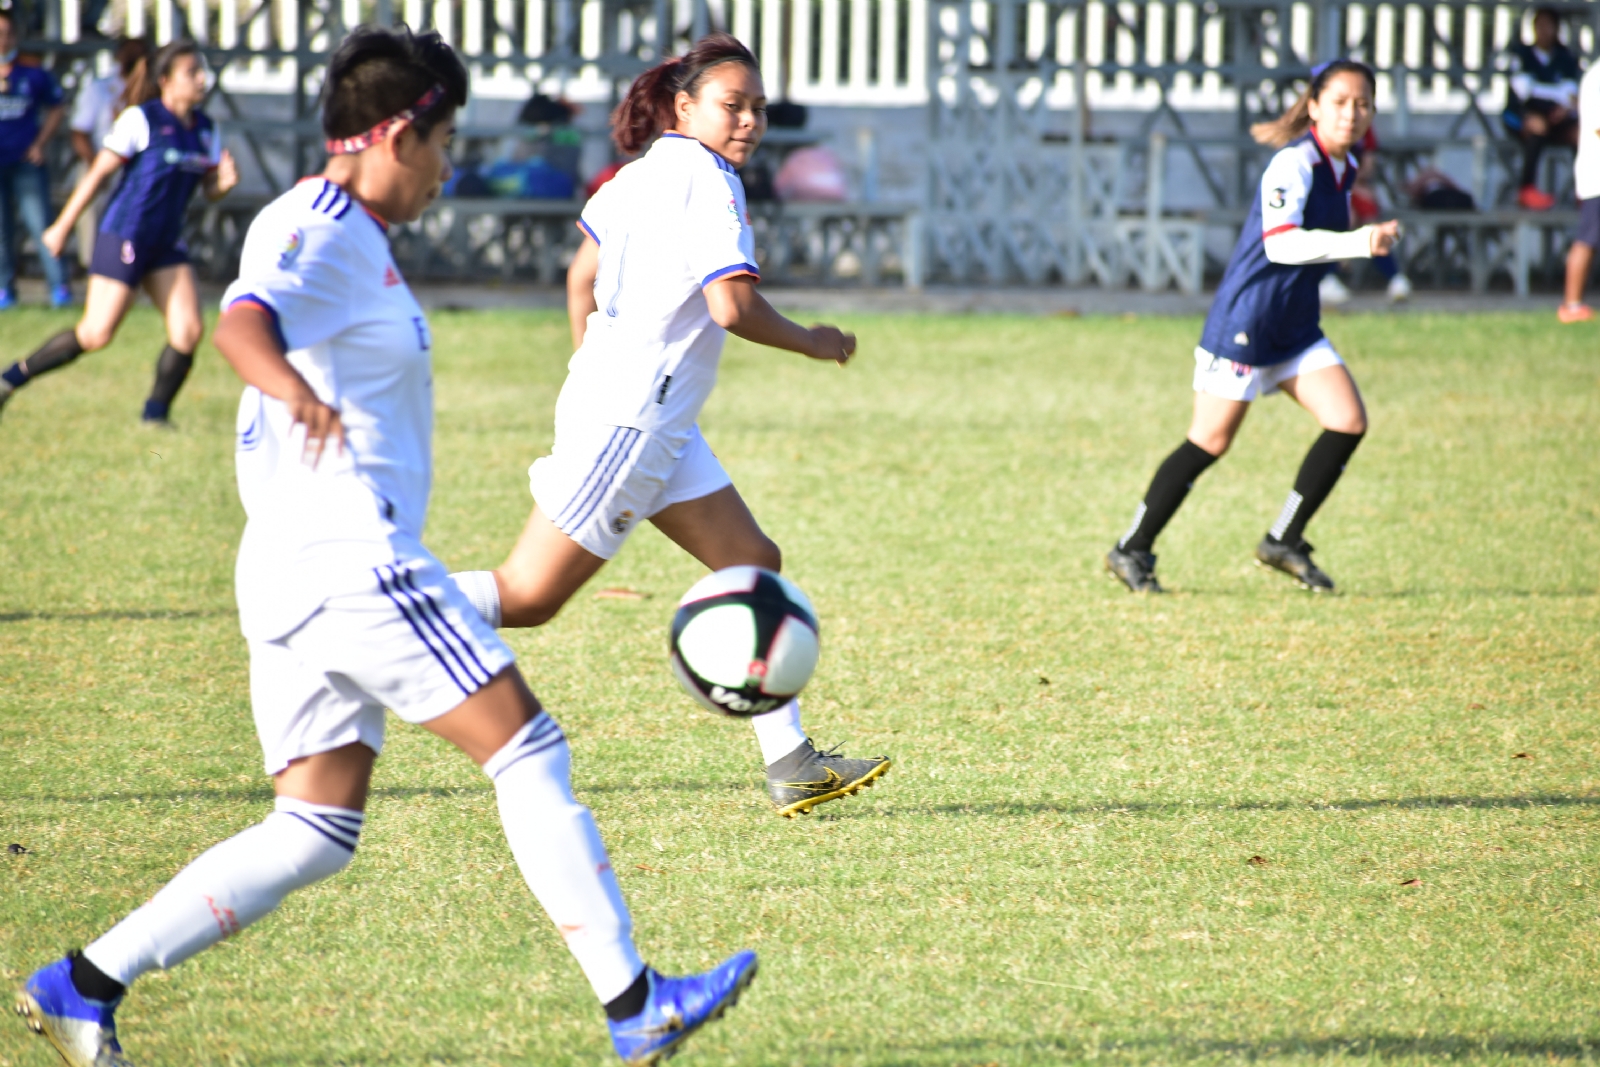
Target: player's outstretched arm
[(219, 180), (104, 166), (580, 289), (738, 308), (249, 342)]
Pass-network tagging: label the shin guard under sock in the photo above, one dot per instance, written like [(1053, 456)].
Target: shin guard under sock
[(60, 350), (1173, 480), (1319, 473), (172, 368)]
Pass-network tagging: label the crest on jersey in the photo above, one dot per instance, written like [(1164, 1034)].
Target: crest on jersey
[(128, 253), (289, 247), (1279, 198), (733, 213)]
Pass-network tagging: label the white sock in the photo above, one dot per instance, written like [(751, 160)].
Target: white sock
[(559, 850), (229, 887), (779, 732), (484, 593)]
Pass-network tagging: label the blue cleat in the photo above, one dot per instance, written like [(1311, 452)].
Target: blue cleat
[(8, 299), (61, 297), (82, 1030), (677, 1007)]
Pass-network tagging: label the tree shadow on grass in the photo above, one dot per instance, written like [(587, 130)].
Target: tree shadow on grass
[(1026, 807), (263, 792), (1180, 1049)]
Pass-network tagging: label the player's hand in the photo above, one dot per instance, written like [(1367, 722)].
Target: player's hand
[(35, 155), (54, 240), (323, 427), (830, 342), (227, 172), (1384, 236)]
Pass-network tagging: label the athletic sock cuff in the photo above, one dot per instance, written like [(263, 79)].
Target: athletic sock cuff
[(483, 591), (537, 735), (342, 826)]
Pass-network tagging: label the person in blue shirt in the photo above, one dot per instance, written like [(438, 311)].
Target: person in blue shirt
[(30, 111), (168, 148), (1264, 334)]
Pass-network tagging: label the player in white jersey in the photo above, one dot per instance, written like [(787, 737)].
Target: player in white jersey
[(344, 611), (666, 269)]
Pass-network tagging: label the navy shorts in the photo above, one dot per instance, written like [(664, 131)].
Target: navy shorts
[(1589, 222), (127, 261)]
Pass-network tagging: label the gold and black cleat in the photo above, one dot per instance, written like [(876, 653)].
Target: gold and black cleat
[(805, 778), (1295, 561)]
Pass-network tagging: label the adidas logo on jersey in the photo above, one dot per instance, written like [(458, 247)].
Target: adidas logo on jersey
[(390, 277)]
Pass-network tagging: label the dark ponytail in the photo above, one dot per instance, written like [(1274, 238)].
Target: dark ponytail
[(649, 109), (1292, 124), (144, 80)]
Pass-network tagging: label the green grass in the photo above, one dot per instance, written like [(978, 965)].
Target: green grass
[(1057, 870)]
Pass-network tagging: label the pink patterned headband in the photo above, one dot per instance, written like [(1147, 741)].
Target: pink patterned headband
[(346, 146)]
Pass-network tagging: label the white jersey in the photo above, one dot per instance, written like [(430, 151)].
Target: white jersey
[(668, 225), (95, 109), (321, 267), (1586, 168)]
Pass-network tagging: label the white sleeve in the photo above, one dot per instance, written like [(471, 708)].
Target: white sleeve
[(86, 108), (717, 234), (1297, 247), (596, 213), (1589, 100), (130, 134), (299, 274), (1284, 188), (1559, 93)]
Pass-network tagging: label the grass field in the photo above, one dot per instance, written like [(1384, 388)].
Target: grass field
[(1232, 823)]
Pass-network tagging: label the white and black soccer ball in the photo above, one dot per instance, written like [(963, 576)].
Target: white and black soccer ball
[(744, 641)]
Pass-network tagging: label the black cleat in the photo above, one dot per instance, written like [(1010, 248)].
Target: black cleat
[(1295, 561), (1136, 570), (6, 395), (805, 778)]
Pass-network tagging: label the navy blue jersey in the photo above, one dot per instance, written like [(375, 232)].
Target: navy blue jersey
[(25, 94), (166, 161), (1535, 75), (1266, 312)]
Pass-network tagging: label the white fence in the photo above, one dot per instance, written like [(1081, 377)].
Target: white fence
[(1434, 57)]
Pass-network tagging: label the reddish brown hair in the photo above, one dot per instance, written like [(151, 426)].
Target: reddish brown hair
[(648, 108)]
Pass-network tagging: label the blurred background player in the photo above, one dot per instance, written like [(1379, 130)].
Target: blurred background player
[(344, 611), (94, 112), (170, 148), (30, 111), (666, 268), (1586, 180), (1540, 108), (1263, 333)]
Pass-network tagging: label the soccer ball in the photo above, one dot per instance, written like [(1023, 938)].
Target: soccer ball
[(744, 641)]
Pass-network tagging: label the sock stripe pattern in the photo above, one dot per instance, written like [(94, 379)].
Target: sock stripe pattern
[(1286, 516), (454, 653), (538, 735), (342, 831), (1133, 528)]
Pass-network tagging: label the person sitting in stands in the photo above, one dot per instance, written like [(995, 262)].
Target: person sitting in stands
[(1541, 108)]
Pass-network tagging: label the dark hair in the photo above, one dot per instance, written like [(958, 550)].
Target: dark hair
[(1547, 13), (128, 52), (648, 108), (378, 72), (1292, 124), (10, 16), (144, 80)]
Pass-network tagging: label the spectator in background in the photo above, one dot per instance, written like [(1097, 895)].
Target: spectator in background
[(30, 112), (99, 102), (1586, 176), (1541, 107)]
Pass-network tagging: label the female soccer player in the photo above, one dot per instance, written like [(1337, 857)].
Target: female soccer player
[(667, 266), (345, 612), (170, 148), (1264, 332)]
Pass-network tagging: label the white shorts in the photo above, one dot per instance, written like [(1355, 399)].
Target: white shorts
[(600, 481), (412, 643), (1239, 381)]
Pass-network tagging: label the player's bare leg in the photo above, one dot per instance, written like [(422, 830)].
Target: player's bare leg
[(545, 569), (1331, 396), (719, 530), (175, 295), (105, 305)]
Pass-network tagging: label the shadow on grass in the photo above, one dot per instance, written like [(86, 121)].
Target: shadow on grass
[(1178, 1049), (153, 615), (1025, 807), (263, 792)]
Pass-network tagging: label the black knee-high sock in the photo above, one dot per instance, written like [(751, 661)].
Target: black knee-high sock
[(60, 350), (1319, 473), (171, 370), (1173, 480)]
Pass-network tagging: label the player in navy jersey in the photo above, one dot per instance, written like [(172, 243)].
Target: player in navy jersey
[(167, 148), (1264, 332)]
